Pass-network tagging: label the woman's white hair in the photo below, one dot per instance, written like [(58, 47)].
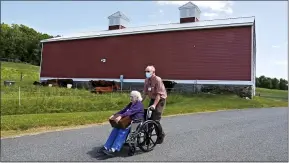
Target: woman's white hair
[(136, 94)]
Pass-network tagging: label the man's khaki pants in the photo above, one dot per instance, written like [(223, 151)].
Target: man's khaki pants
[(157, 115)]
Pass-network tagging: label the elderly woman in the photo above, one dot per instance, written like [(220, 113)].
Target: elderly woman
[(135, 110)]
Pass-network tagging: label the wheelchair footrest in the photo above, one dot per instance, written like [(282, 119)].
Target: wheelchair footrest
[(131, 137)]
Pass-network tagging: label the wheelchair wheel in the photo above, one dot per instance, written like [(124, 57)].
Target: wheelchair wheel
[(147, 135)]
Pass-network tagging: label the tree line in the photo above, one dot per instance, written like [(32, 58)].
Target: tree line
[(21, 43), (271, 83)]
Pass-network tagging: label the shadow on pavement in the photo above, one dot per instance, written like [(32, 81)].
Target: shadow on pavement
[(99, 155)]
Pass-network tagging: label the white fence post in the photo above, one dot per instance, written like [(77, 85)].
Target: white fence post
[(19, 97)]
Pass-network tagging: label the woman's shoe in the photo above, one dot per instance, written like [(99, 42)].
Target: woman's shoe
[(108, 152), (100, 150)]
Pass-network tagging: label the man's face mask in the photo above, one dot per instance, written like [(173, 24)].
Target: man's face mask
[(148, 74)]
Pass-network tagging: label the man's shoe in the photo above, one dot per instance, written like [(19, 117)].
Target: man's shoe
[(161, 139)]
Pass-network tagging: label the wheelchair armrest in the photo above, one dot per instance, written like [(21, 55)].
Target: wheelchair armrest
[(137, 120)]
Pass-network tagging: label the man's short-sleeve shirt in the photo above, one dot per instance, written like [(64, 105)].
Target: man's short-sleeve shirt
[(154, 86)]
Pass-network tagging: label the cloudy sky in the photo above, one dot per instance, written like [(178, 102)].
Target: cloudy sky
[(63, 18)]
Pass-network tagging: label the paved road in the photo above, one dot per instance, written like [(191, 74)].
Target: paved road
[(239, 135)]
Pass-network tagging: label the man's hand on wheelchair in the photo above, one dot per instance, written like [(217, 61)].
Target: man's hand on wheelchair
[(152, 107)]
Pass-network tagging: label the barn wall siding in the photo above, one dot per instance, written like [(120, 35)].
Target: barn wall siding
[(207, 54)]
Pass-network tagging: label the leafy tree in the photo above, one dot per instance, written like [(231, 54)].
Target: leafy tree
[(22, 43), (283, 84), (275, 83), (271, 83), (268, 83), (262, 81)]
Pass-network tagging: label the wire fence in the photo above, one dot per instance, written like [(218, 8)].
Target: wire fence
[(61, 100), (22, 95), (23, 102), (63, 91), (56, 100), (38, 99)]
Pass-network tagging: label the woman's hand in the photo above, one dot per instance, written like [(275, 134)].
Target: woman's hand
[(117, 119)]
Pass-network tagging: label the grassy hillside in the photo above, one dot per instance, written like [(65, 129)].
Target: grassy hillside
[(271, 93), (12, 71), (48, 107)]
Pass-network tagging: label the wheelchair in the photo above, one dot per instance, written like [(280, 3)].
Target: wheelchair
[(141, 134)]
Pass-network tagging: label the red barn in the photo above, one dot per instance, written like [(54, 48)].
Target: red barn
[(221, 51)]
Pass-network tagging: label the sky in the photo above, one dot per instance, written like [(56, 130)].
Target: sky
[(68, 17)]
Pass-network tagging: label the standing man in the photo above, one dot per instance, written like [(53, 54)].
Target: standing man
[(154, 88)]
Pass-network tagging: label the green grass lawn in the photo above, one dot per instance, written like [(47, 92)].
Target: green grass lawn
[(271, 93), (50, 107)]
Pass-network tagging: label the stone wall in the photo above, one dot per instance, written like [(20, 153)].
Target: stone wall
[(241, 91)]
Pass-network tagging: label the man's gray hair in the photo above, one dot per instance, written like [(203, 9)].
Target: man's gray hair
[(151, 67), (136, 94)]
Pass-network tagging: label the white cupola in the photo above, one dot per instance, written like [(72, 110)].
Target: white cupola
[(189, 13), (117, 21)]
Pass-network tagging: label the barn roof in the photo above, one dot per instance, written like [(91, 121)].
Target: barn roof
[(205, 24)]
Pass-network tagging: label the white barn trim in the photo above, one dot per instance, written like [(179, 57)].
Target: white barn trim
[(206, 24)]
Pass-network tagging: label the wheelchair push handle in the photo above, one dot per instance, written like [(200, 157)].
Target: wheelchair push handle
[(150, 108), (149, 113)]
